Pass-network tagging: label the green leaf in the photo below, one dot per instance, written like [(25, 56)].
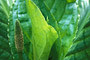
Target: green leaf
[(81, 42), (84, 14), (53, 9), (43, 35), (3, 15), (5, 7), (67, 31), (57, 12), (18, 13), (81, 48), (63, 15), (5, 51), (83, 5), (10, 3)]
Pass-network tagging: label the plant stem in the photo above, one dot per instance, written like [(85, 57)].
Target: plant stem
[(20, 55)]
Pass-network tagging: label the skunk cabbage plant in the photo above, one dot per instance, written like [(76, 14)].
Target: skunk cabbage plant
[(44, 29)]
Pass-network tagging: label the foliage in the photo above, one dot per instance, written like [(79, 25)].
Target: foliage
[(52, 30)]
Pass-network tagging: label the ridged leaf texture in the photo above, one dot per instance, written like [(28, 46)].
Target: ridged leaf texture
[(52, 29)]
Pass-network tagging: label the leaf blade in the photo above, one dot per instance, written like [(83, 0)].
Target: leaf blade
[(41, 32)]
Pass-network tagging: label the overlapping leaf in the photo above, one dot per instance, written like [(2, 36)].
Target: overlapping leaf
[(81, 46), (18, 12), (5, 7), (57, 13), (43, 35), (61, 14), (81, 42), (5, 51)]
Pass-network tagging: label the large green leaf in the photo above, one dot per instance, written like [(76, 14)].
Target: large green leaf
[(80, 50), (84, 14), (5, 51), (43, 35), (67, 31), (18, 12), (65, 26), (3, 15), (58, 13), (81, 42), (53, 9), (83, 5), (5, 7)]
